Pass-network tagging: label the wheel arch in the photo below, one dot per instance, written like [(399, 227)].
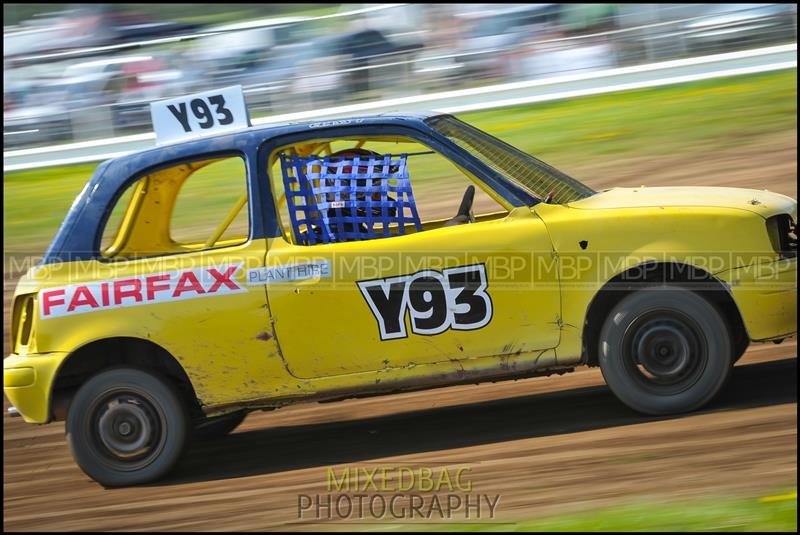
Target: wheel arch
[(649, 273), (95, 356)]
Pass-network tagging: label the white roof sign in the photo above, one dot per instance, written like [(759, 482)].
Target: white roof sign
[(200, 114)]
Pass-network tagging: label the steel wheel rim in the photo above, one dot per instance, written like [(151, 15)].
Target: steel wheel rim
[(127, 428), (665, 351)]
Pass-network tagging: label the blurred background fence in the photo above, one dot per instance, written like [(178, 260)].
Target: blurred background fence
[(89, 72)]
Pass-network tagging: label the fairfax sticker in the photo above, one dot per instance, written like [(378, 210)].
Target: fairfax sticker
[(289, 272), (142, 290)]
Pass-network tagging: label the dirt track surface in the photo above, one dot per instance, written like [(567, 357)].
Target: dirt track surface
[(544, 445), (770, 162)]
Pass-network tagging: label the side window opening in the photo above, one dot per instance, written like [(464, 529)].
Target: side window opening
[(350, 195), (211, 206), (113, 234), (370, 169), (188, 207)]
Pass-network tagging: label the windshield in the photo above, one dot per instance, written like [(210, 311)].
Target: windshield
[(527, 172)]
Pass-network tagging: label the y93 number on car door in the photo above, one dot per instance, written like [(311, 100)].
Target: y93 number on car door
[(455, 298)]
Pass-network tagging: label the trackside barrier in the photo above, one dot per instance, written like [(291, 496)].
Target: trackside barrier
[(495, 96)]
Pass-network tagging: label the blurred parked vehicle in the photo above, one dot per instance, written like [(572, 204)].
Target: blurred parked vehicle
[(128, 25), (53, 31), (357, 51), (325, 70), (89, 25), (82, 102), (496, 31), (142, 82), (32, 116), (232, 51), (725, 27), (699, 29)]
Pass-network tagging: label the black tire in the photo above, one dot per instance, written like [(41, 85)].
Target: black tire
[(665, 350), (740, 346), (126, 426), (219, 427)]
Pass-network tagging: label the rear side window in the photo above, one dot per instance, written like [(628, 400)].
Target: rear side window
[(114, 222), (192, 206), (207, 198)]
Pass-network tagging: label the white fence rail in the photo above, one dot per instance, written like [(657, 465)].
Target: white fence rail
[(508, 94)]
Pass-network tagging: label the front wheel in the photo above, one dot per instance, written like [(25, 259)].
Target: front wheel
[(126, 426), (665, 350)]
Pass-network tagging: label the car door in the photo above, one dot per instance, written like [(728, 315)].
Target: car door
[(487, 289)]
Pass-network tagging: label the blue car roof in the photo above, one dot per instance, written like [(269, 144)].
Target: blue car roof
[(287, 128)]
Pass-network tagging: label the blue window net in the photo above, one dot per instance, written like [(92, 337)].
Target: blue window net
[(340, 199)]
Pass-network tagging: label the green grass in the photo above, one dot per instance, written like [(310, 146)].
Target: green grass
[(35, 203), (715, 113), (709, 514), (684, 119)]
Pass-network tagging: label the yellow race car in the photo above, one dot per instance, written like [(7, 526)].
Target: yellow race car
[(259, 267)]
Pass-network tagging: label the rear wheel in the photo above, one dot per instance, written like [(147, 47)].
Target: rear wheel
[(126, 426), (665, 350)]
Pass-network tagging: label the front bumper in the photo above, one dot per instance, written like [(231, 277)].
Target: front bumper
[(766, 295), (28, 382)]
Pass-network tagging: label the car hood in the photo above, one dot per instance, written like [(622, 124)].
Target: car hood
[(761, 202)]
